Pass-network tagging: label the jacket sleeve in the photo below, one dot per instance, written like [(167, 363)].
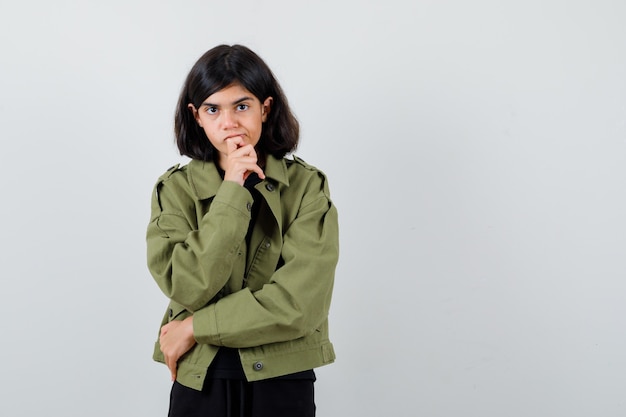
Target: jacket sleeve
[(296, 300), (192, 263)]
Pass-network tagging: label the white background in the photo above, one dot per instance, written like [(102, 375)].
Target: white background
[(476, 151)]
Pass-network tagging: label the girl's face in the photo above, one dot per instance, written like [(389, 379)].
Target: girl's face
[(232, 111)]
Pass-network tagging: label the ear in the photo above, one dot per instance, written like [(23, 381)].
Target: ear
[(195, 113), (266, 107)]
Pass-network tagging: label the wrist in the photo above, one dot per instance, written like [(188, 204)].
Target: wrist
[(188, 323)]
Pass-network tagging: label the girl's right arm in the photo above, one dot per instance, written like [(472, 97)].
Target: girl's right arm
[(192, 263)]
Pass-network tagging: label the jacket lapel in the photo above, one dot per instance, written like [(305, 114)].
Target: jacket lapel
[(204, 179)]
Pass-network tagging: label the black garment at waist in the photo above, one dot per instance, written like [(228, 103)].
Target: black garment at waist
[(227, 365)]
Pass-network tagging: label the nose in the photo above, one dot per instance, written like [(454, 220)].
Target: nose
[(229, 119)]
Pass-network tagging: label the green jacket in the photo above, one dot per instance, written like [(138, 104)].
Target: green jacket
[(269, 300)]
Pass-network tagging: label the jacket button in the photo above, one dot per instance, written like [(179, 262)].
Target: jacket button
[(249, 206), (269, 187), (171, 313), (257, 366), (267, 244)]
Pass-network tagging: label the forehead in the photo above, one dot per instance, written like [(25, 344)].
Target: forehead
[(231, 94)]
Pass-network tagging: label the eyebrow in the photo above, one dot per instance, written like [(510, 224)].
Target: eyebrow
[(234, 103)]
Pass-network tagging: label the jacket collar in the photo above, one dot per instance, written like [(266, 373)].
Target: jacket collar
[(205, 179)]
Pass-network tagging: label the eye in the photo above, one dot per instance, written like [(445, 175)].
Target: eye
[(242, 107), (211, 110)]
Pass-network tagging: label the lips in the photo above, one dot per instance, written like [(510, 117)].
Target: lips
[(234, 136)]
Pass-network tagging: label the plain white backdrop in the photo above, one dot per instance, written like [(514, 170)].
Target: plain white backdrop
[(476, 152)]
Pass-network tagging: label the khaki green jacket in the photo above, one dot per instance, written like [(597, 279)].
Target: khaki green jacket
[(269, 300)]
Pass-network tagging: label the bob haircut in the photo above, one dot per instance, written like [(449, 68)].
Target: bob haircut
[(218, 68)]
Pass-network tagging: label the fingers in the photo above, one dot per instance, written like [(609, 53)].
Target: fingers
[(234, 143), (254, 168), (176, 339), (171, 359), (242, 161), (172, 365)]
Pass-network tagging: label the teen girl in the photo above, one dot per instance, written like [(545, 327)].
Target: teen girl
[(244, 243)]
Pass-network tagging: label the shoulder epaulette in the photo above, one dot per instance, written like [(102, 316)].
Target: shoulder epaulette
[(159, 184), (169, 172), (302, 162)]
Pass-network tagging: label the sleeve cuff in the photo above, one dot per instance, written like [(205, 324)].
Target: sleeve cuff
[(234, 195), (205, 326)]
